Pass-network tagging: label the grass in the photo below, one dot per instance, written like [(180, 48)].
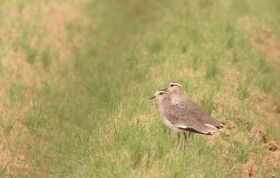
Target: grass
[(75, 101)]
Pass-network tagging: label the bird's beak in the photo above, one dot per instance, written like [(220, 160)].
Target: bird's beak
[(165, 89), (152, 97)]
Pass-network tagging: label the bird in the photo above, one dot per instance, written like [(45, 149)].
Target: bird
[(177, 98), (177, 118)]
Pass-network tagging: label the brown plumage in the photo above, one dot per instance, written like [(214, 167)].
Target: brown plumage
[(199, 113), (177, 98), (177, 118)]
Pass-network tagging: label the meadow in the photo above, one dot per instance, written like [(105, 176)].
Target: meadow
[(76, 76)]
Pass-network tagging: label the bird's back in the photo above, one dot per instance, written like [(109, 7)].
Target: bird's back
[(196, 111), (181, 119)]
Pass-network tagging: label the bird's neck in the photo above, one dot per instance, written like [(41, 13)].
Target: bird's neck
[(176, 97), (178, 92), (165, 102)]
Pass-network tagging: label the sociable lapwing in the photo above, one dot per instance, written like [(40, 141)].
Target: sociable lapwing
[(175, 91), (177, 118)]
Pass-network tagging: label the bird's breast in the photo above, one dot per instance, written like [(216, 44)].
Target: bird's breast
[(167, 122)]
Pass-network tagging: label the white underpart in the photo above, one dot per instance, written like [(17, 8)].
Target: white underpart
[(182, 126), (168, 123), (185, 126)]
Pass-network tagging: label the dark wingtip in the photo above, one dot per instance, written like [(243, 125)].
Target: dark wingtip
[(195, 131), (219, 127)]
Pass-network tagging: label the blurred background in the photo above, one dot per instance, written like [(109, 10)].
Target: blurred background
[(76, 75)]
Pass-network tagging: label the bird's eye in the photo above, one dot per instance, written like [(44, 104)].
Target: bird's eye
[(172, 85), (161, 93)]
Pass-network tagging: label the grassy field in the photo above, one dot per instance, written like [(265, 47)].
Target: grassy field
[(76, 76)]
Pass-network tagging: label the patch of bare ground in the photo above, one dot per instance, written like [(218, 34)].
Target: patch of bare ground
[(55, 17), (262, 39), (50, 19), (249, 169), (271, 161), (14, 158), (268, 116), (258, 133), (230, 127), (17, 69), (270, 109), (49, 23), (216, 139), (137, 11), (268, 44)]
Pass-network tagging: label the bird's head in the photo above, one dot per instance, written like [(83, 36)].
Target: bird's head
[(160, 95), (174, 88)]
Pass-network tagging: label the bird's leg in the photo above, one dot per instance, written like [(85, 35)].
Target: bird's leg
[(185, 136), (178, 139)]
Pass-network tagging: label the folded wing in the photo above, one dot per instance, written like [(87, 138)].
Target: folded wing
[(182, 120), (199, 113)]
